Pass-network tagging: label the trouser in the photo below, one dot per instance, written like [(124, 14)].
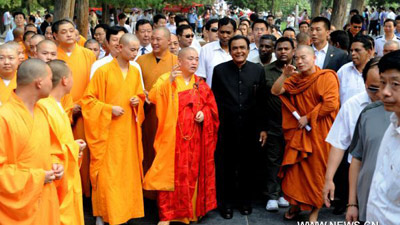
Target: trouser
[(373, 27), (193, 25), (341, 180), (272, 155), (234, 171)]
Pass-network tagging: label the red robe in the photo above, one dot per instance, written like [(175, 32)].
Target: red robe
[(192, 149)]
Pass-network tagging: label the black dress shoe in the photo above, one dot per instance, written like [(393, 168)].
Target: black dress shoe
[(246, 210), (226, 213)]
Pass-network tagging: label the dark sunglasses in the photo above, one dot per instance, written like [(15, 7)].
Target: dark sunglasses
[(373, 89), (189, 35), (357, 27), (214, 29)]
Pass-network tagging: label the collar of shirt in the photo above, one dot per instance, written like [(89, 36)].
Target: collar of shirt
[(384, 38), (324, 49), (253, 46), (217, 47), (395, 121), (353, 67)]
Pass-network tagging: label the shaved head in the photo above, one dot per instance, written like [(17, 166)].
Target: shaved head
[(183, 52), (306, 48), (30, 70), (46, 50), (19, 48), (166, 32), (18, 33), (8, 67), (127, 38), (60, 69), (37, 37), (12, 45)]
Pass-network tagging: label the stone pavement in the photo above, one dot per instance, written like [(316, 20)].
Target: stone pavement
[(259, 217)]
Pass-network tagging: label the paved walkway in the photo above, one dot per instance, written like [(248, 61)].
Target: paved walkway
[(259, 217)]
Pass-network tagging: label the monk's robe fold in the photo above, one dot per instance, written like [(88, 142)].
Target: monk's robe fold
[(71, 206), (151, 71), (26, 148), (81, 41), (6, 91), (306, 153), (184, 162), (115, 144), (80, 62)]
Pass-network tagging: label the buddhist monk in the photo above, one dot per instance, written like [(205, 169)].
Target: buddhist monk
[(20, 50), (33, 42), (94, 46), (113, 113), (312, 95), (79, 38), (28, 155), (18, 34), (46, 50), (8, 68), (71, 208), (27, 37), (153, 65), (79, 60), (186, 138)]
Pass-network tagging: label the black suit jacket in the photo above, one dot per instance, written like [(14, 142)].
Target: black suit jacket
[(335, 58)]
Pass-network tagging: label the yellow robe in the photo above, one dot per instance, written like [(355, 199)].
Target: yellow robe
[(81, 41), (80, 63), (28, 148), (71, 208), (115, 143), (5, 91), (151, 71)]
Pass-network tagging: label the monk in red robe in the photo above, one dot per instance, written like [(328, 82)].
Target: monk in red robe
[(186, 138), (310, 103)]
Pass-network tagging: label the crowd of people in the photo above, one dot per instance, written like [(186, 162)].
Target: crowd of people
[(301, 117)]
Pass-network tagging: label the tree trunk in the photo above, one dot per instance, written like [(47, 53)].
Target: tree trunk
[(357, 4), (338, 13), (83, 17), (72, 9), (316, 8), (273, 7), (62, 9), (105, 17)]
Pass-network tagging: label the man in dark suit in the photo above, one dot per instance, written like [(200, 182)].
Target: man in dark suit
[(327, 56)]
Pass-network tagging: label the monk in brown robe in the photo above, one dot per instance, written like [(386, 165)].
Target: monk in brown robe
[(310, 100), (153, 65)]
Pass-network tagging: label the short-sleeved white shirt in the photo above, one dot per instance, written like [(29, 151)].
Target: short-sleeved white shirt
[(351, 82)]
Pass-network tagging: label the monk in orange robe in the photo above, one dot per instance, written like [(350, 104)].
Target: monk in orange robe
[(8, 70), (80, 40), (186, 138), (71, 208), (29, 154), (153, 65), (310, 103), (113, 113), (27, 37), (20, 50), (79, 60)]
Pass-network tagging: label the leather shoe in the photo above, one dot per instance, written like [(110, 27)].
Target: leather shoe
[(226, 213), (246, 210)]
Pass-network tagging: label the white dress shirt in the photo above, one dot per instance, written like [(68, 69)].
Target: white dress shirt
[(171, 28), (320, 55), (380, 42), (258, 60), (253, 51), (384, 196), (342, 129), (211, 55), (351, 82), (101, 62), (148, 49)]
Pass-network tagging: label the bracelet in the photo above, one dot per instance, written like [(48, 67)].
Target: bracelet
[(352, 205)]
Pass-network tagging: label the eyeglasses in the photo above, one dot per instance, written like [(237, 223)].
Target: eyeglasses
[(214, 29), (373, 89), (188, 35)]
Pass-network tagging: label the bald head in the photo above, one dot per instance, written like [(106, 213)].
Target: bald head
[(46, 44), (12, 46), (127, 38), (20, 50), (8, 67), (18, 34), (390, 46), (60, 69), (305, 59), (94, 46), (186, 51), (46, 50), (308, 49), (166, 33), (30, 70)]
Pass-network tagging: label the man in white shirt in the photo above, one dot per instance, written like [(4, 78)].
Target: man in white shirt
[(19, 19), (341, 134), (144, 30), (290, 21), (171, 23), (391, 15), (350, 74), (384, 196), (216, 52), (7, 19), (389, 27), (122, 21), (327, 56), (259, 27)]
